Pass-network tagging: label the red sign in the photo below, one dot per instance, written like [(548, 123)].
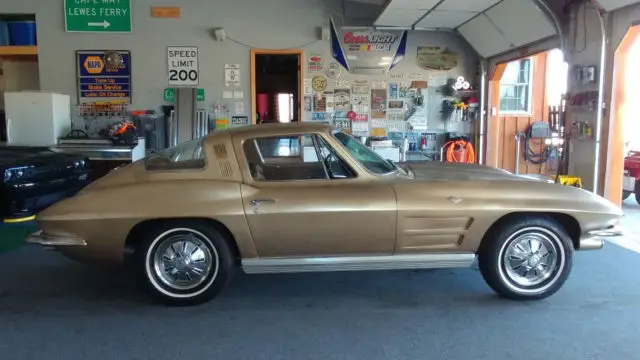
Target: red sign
[(351, 115), (369, 38)]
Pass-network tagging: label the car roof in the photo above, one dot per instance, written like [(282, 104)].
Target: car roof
[(274, 129)]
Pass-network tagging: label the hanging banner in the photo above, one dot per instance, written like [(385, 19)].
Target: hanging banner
[(366, 50)]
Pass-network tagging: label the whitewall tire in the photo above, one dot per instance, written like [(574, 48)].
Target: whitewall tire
[(526, 259), (183, 262)]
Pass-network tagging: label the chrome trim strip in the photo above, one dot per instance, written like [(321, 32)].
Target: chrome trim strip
[(611, 231), (356, 263), (591, 243), (40, 238)]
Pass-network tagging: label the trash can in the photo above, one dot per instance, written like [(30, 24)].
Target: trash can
[(22, 33), (4, 33)]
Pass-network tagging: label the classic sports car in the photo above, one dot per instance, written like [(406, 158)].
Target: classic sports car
[(36, 177), (302, 198)]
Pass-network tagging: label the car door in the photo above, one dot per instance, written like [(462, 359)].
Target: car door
[(296, 205)]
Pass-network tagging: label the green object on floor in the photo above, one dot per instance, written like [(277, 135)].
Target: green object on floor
[(12, 235)]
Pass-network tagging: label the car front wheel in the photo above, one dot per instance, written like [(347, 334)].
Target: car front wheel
[(183, 263), (526, 259)]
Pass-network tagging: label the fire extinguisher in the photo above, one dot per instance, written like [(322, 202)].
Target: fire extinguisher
[(423, 142)]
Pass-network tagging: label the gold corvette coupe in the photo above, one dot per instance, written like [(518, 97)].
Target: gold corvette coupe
[(306, 198)]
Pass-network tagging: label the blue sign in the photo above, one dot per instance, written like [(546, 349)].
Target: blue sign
[(99, 80), (393, 91)]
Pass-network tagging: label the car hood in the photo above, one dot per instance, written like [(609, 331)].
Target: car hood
[(31, 156), (434, 170)]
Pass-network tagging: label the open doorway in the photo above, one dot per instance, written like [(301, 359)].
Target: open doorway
[(276, 86), (523, 132), (622, 179)]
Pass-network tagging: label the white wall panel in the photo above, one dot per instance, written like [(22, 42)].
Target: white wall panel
[(484, 37), (399, 17), (445, 19), (467, 5), (521, 21), (610, 5)]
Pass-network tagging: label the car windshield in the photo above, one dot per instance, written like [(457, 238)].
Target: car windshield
[(367, 157)]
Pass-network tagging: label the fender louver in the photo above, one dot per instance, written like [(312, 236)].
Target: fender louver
[(223, 164)]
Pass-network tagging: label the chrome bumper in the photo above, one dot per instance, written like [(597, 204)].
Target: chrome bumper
[(593, 240), (40, 238)]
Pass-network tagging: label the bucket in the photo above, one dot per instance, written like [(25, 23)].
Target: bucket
[(460, 155), (4, 33), (22, 33)]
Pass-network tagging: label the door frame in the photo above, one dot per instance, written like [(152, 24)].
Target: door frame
[(611, 170), (255, 52)]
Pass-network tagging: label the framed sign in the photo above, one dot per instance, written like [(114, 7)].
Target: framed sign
[(182, 66), (103, 75)]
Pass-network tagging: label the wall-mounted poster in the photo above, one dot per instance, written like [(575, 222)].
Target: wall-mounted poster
[(343, 124), (396, 104), (393, 91), (320, 102), (308, 88), (329, 102), (342, 99), (308, 103), (378, 103), (360, 87), (436, 58), (318, 116), (316, 63)]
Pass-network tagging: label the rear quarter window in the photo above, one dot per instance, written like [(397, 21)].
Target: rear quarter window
[(186, 156)]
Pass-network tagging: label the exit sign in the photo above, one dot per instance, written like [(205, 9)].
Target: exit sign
[(108, 16)]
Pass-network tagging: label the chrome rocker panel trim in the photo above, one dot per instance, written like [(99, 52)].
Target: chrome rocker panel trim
[(356, 263), (610, 231), (40, 238)]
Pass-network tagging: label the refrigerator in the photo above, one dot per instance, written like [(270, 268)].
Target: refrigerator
[(36, 118)]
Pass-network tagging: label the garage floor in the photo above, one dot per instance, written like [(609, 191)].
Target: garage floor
[(52, 307)]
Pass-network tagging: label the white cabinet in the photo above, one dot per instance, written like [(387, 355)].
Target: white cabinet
[(36, 118)]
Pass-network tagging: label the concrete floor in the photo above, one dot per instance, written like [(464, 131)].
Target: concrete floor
[(53, 308)]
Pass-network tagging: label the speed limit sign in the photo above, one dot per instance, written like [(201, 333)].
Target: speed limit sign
[(182, 66)]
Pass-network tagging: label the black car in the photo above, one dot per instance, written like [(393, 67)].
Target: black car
[(34, 178)]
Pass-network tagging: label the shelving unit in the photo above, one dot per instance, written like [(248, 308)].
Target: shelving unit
[(18, 50)]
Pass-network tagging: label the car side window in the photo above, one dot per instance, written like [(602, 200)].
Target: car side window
[(185, 156), (284, 158), (336, 167)]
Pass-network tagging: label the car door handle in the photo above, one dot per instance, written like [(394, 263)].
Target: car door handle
[(257, 202)]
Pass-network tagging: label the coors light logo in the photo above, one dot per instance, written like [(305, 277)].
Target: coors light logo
[(368, 41)]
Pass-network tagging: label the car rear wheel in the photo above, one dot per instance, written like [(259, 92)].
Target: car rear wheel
[(526, 259), (625, 194), (184, 263)]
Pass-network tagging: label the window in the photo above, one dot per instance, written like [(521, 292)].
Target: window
[(187, 155), (557, 77), (367, 157), (296, 157), (516, 87)]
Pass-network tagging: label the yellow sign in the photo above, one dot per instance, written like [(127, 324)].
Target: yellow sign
[(319, 83), (378, 132), (93, 64)]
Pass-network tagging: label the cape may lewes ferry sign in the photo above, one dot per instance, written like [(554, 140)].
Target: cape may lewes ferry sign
[(109, 16)]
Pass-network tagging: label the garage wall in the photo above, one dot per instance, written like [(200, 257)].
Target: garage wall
[(272, 24), (583, 48)]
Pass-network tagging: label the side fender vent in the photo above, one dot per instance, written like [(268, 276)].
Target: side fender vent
[(220, 150), (225, 168)]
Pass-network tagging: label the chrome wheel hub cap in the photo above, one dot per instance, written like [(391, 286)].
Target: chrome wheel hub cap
[(530, 259), (183, 261)]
